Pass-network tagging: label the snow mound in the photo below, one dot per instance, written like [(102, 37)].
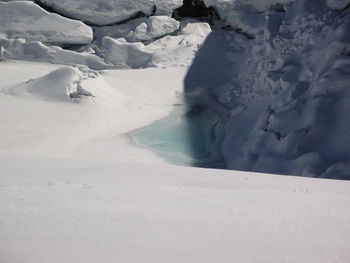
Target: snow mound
[(140, 29), (104, 12), (20, 49), (22, 19), (180, 49), (155, 27), (125, 54), (59, 85)]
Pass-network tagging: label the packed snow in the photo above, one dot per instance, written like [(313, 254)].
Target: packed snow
[(22, 19), (105, 12), (88, 211)]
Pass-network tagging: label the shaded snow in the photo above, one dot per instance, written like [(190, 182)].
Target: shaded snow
[(284, 86), (338, 4), (225, 6)]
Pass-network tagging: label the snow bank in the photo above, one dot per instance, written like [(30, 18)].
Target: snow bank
[(60, 85), (181, 48), (20, 49), (22, 19), (106, 12), (170, 50), (283, 93), (125, 54)]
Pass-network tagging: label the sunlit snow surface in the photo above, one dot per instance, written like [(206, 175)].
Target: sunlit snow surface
[(75, 189)]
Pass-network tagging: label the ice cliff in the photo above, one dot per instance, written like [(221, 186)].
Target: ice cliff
[(280, 74)]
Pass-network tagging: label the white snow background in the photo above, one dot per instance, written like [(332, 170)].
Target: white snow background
[(78, 77)]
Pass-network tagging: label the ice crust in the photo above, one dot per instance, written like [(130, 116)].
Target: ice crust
[(24, 19)]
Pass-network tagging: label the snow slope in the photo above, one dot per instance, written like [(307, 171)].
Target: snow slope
[(88, 211), (22, 19)]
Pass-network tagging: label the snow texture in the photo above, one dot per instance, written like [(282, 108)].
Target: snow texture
[(22, 19), (89, 211), (104, 12)]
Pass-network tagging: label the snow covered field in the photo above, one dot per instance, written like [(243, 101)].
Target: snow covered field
[(78, 211), (89, 132), (73, 188)]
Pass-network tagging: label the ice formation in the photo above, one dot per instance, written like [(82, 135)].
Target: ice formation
[(105, 12), (20, 49), (284, 84), (24, 19)]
